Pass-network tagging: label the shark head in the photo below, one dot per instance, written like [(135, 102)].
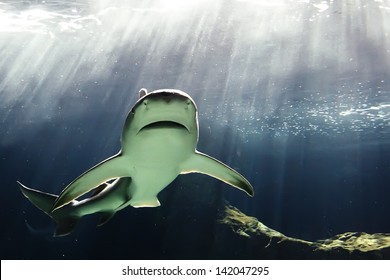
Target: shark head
[(161, 109)]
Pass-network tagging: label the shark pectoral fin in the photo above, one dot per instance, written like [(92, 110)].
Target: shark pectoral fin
[(202, 163), (106, 216), (114, 167)]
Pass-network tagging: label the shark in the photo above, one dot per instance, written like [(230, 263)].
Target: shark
[(158, 143)]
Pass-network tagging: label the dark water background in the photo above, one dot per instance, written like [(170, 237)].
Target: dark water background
[(292, 94)]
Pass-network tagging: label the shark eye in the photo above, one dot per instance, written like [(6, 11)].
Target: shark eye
[(145, 102)]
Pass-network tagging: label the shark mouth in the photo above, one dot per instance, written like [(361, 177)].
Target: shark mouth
[(164, 124)]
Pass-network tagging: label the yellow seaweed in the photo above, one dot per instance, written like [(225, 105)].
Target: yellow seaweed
[(351, 241)]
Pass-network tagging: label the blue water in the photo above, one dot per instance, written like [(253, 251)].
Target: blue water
[(295, 95)]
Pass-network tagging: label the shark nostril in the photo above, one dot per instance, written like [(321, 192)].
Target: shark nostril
[(188, 104), (146, 102)]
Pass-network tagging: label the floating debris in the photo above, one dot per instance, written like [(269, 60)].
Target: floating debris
[(351, 241)]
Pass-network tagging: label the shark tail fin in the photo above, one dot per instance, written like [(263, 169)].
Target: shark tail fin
[(65, 226), (42, 200), (105, 217), (45, 201)]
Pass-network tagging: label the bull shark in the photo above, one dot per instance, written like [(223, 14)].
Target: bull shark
[(158, 143)]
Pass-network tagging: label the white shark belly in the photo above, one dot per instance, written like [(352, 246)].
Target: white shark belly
[(157, 160)]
